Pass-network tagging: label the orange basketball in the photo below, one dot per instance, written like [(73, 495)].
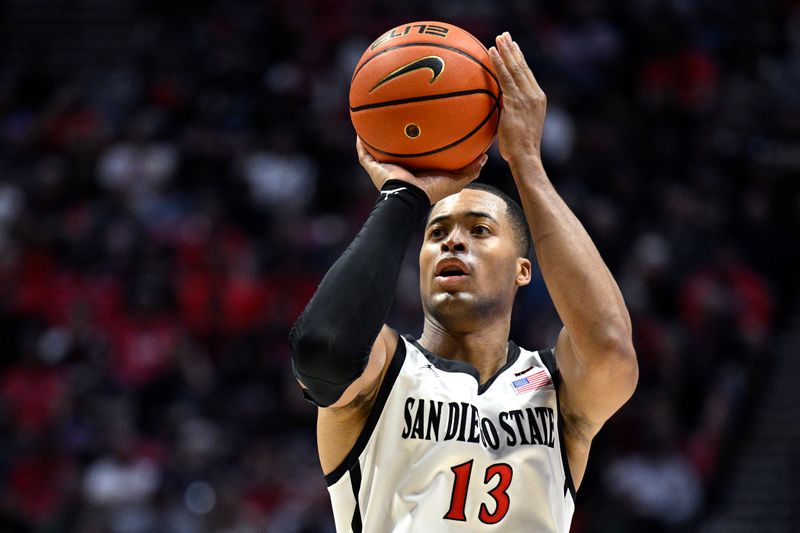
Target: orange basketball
[(424, 95)]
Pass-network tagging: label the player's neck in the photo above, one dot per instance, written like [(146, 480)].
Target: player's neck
[(486, 348)]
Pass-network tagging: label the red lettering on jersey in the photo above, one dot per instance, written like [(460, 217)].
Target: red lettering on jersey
[(498, 493), (458, 500)]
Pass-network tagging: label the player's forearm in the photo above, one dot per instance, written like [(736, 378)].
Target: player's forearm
[(585, 294), (332, 339)]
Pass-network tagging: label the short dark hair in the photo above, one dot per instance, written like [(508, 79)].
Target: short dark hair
[(515, 215)]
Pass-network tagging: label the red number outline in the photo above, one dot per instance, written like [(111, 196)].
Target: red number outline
[(458, 498), (498, 493)]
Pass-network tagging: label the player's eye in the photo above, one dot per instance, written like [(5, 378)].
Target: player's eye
[(436, 233), (481, 230)]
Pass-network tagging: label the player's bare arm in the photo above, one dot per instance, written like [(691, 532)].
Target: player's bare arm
[(594, 350), (346, 305)]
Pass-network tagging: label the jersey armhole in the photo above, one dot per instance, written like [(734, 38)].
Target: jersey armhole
[(398, 358), (548, 358)]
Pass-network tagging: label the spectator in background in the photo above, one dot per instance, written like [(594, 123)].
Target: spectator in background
[(120, 486), (656, 486), (281, 179), (138, 168)]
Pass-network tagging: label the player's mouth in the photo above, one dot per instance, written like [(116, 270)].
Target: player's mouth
[(451, 271)]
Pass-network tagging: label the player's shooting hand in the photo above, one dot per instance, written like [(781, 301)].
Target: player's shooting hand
[(524, 103), (436, 184)]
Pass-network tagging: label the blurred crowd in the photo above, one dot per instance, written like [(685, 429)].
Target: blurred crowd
[(165, 216)]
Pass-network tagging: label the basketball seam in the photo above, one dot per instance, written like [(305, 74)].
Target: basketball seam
[(414, 99), (446, 147), (456, 50)]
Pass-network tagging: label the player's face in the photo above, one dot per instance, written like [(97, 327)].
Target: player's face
[(469, 261)]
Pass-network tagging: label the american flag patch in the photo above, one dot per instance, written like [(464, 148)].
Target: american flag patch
[(537, 380)]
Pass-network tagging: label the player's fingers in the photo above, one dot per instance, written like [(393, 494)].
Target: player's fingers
[(526, 71), (364, 157), (362, 152), (503, 75), (471, 172), (515, 68)]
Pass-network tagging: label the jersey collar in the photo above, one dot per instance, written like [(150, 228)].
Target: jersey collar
[(450, 365)]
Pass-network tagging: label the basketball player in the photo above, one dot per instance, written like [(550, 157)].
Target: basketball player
[(461, 429)]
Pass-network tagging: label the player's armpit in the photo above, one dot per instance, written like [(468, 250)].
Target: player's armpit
[(592, 389), (595, 387)]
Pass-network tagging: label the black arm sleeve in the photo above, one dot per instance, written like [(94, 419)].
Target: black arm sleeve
[(332, 339)]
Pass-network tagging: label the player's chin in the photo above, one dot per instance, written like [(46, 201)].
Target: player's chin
[(451, 296), (453, 309)]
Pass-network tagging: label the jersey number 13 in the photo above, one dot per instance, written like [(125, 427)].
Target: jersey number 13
[(458, 501)]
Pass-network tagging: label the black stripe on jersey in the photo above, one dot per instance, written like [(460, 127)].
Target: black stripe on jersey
[(372, 420), (355, 482), (449, 365), (549, 359)]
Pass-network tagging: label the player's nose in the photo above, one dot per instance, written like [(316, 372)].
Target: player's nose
[(455, 242)]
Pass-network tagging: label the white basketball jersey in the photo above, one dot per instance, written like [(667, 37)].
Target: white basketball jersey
[(439, 453)]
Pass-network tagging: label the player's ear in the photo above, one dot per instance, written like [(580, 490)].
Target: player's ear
[(523, 271)]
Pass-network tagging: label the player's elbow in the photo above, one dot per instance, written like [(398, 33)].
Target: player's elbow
[(321, 353), (619, 361), (630, 372), (626, 365), (312, 348)]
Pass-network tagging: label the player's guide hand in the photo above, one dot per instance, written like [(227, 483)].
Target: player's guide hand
[(524, 103), (437, 184)]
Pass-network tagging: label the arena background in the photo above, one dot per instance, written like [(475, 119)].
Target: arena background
[(175, 178)]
